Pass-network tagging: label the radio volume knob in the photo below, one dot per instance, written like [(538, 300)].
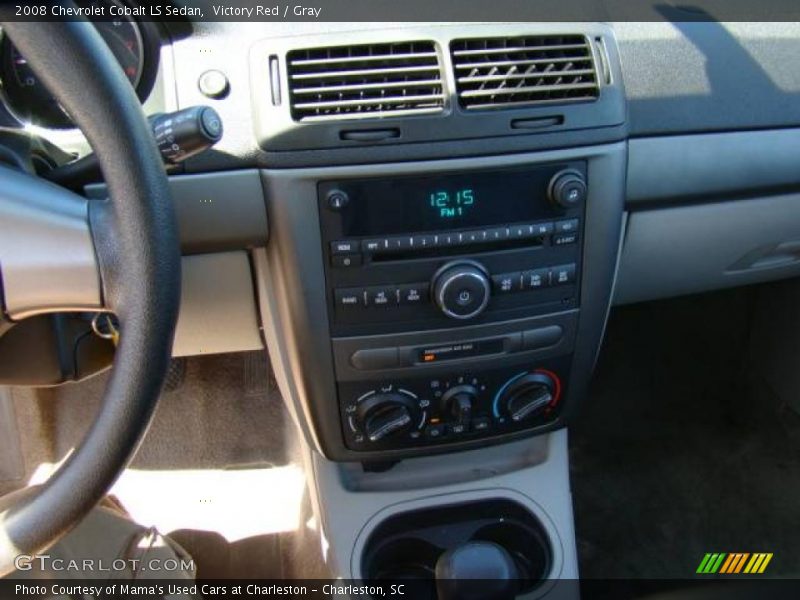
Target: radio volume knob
[(461, 290)]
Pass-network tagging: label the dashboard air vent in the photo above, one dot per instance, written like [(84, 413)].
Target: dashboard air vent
[(370, 80), (521, 71)]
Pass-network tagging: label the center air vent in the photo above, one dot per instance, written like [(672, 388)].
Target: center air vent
[(370, 80), (522, 71)]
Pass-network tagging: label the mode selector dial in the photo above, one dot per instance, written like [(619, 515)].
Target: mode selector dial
[(461, 290), (384, 415), (458, 402)]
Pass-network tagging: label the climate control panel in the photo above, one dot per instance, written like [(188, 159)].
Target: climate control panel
[(436, 410)]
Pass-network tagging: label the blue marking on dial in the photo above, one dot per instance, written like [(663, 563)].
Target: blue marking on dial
[(495, 407)]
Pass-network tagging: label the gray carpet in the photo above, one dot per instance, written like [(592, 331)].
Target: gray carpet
[(225, 413), (680, 449)]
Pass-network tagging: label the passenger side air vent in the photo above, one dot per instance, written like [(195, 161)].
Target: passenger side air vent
[(369, 80), (522, 71)]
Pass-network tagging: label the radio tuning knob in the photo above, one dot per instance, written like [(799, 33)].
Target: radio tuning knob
[(461, 290), (567, 189)]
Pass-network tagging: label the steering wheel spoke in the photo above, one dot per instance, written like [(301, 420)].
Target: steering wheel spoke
[(59, 252), (48, 259)]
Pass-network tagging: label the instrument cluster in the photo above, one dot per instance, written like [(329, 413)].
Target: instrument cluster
[(134, 43)]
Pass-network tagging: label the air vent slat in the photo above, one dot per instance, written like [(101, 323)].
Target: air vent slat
[(514, 50), (512, 63), (524, 71), (538, 89), (365, 72), (522, 76), (433, 100), (351, 59), (363, 81), (382, 85)]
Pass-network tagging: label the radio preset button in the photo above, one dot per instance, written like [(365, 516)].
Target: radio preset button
[(563, 274), (568, 226), (422, 241), (521, 232), (563, 239), (505, 283), (346, 260), (536, 279), (496, 234), (413, 294), (349, 298), (446, 239), (472, 237), (375, 245), (543, 228), (398, 243), (381, 297), (345, 246)]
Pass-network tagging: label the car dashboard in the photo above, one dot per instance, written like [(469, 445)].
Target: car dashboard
[(427, 224)]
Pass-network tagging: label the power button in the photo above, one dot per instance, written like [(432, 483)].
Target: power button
[(461, 290), (337, 200)]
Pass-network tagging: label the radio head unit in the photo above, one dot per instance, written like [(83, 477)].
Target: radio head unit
[(429, 251)]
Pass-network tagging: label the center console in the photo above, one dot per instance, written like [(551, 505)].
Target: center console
[(445, 251), (446, 214), (434, 306)]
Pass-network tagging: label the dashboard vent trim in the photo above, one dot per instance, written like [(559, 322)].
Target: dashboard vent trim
[(513, 72), (365, 81)]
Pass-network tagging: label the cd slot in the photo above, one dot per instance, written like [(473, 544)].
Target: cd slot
[(455, 250)]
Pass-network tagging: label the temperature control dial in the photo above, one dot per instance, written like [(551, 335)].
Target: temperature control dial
[(528, 395), (461, 290), (384, 415)]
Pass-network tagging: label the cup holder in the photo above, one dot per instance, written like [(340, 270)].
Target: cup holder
[(530, 551), (407, 559), (406, 546)]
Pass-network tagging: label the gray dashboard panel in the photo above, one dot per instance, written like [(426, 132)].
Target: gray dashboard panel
[(688, 249), (218, 308), (672, 169), (679, 78), (277, 131), (708, 76), (216, 211)]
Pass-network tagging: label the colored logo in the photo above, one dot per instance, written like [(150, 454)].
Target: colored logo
[(734, 563)]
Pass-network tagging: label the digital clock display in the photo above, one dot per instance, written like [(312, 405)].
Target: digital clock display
[(401, 204), (452, 204)]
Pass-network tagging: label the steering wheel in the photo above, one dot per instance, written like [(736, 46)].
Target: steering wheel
[(60, 252)]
